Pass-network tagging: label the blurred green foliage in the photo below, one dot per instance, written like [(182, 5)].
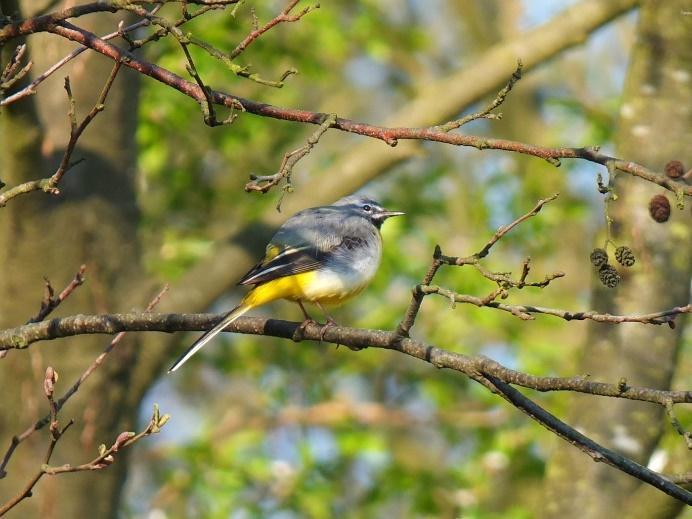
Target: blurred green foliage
[(405, 440)]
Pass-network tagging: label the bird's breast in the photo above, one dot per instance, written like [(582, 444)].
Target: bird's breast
[(344, 276)]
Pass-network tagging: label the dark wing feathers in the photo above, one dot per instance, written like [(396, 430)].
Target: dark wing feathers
[(286, 263), (305, 242)]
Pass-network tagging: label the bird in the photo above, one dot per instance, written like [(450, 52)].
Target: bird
[(321, 255)]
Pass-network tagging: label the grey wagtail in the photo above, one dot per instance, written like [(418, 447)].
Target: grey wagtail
[(319, 255)]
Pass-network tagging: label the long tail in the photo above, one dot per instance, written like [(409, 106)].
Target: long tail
[(197, 345)]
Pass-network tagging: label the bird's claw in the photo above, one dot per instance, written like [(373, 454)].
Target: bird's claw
[(299, 334), (331, 323), (324, 328)]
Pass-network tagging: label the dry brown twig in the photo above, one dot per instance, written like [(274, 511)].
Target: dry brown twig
[(30, 89), (39, 424), (284, 16), (486, 113), (525, 312), (50, 302), (186, 39), (506, 283), (485, 371), (12, 71), (106, 455), (263, 184), (57, 24), (50, 184), (50, 378), (502, 279), (482, 369)]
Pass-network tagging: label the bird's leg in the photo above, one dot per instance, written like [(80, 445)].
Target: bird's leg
[(305, 312), (330, 321), (308, 320)]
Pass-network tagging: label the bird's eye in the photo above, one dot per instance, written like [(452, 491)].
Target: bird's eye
[(367, 208)]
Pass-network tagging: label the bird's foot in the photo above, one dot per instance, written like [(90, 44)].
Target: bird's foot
[(299, 334), (331, 323)]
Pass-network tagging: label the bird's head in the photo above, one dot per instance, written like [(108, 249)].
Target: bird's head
[(367, 208)]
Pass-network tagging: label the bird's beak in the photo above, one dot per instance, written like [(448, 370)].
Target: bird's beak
[(388, 214)]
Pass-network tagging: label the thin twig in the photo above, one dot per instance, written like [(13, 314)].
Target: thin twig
[(263, 184), (49, 380), (525, 311), (479, 368), (506, 228), (486, 112), (686, 435), (502, 279), (50, 303), (167, 27), (12, 73), (404, 327), (39, 424), (49, 185), (103, 460), (106, 455), (283, 16), (207, 104)]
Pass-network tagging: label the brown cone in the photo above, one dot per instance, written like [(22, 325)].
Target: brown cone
[(659, 208)]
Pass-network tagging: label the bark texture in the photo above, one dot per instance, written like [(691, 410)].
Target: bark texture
[(93, 222), (655, 127)]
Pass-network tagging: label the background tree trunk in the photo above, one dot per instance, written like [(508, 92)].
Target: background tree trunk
[(93, 222), (655, 127)]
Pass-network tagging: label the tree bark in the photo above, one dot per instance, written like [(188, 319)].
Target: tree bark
[(655, 127), (94, 222)]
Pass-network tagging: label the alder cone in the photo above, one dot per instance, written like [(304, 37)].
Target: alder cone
[(599, 257), (625, 256), (659, 208), (609, 276), (674, 169)]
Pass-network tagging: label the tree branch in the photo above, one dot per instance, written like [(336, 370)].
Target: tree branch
[(483, 370), (50, 302), (57, 405), (284, 16), (42, 23), (525, 311), (264, 183), (390, 135), (62, 327), (49, 185)]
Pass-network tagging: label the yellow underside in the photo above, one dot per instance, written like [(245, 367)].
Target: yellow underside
[(298, 287)]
